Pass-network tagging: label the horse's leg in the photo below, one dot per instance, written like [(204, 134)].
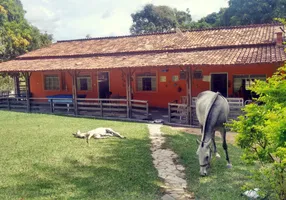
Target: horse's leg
[(88, 138), (224, 145), (214, 144), (114, 133)]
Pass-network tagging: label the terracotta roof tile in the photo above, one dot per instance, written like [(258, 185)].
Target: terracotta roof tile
[(209, 38), (232, 56)]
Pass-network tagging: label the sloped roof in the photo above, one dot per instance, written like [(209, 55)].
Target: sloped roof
[(212, 57), (221, 46), (208, 38)]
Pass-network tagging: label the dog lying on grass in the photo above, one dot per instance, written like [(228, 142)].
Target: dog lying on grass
[(98, 133)]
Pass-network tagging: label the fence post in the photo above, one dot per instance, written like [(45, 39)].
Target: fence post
[(101, 108), (147, 109), (169, 113), (51, 106), (8, 103), (127, 109)]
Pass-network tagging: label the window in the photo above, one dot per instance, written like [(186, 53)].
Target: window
[(52, 82), (247, 80), (146, 82), (198, 74), (84, 82)]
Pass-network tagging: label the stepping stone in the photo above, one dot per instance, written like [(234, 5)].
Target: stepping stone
[(167, 197), (165, 161)]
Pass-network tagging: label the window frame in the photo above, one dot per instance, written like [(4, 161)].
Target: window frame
[(146, 75), (78, 86), (246, 77), (44, 82)]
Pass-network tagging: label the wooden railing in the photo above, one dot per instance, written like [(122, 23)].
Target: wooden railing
[(4, 93), (178, 113), (139, 109), (116, 108)]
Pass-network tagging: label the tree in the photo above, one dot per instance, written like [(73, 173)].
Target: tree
[(215, 19), (159, 19), (17, 36), (244, 12), (262, 135)]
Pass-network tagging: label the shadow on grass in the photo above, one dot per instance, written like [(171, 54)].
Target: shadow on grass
[(124, 172), (221, 183)]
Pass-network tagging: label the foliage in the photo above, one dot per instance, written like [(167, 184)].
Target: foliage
[(6, 83), (159, 19), (244, 12), (240, 12), (17, 36), (40, 159), (262, 134), (222, 183)]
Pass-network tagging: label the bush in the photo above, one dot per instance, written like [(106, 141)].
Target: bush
[(262, 135), (6, 83)]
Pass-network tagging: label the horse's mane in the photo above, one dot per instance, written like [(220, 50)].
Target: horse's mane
[(208, 113)]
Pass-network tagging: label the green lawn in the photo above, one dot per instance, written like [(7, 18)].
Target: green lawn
[(40, 159), (221, 183)]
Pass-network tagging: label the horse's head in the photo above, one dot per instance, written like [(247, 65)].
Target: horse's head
[(77, 134), (204, 153)]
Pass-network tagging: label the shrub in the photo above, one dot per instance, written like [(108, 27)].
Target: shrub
[(262, 135), (6, 83)]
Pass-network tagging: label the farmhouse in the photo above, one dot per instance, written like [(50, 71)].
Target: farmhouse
[(124, 76)]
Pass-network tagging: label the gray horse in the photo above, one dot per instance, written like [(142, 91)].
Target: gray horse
[(212, 110)]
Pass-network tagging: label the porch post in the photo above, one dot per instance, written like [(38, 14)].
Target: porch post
[(189, 95), (27, 79), (74, 92), (128, 93), (16, 85)]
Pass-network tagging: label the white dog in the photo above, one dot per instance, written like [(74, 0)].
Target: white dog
[(97, 133)]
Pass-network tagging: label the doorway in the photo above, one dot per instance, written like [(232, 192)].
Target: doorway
[(219, 83), (103, 85)]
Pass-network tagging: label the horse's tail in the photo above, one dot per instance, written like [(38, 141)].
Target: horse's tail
[(208, 112)]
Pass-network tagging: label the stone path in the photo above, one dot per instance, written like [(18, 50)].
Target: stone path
[(165, 162)]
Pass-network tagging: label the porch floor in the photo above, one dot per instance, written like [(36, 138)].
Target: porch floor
[(158, 114)]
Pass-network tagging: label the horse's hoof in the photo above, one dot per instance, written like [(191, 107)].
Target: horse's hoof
[(217, 155), (229, 165)]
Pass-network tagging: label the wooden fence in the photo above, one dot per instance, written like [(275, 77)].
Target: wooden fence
[(4, 93), (178, 113), (114, 108)]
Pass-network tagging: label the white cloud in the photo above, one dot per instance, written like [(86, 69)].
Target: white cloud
[(69, 19)]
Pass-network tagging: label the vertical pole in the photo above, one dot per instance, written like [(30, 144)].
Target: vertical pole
[(189, 95), (74, 92), (16, 85), (51, 106), (101, 108), (169, 113), (27, 79), (8, 103), (128, 93)]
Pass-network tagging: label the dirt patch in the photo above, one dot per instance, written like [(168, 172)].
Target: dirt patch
[(230, 136)]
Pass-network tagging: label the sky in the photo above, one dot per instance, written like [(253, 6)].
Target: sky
[(73, 19)]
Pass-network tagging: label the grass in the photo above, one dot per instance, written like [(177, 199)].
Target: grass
[(40, 159), (221, 183)]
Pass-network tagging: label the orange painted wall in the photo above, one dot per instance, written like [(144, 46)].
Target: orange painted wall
[(166, 91), (37, 84), (255, 69)]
